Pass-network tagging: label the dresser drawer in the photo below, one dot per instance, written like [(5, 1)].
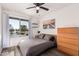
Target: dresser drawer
[(68, 50), (67, 45), (67, 40), (68, 30), (72, 36)]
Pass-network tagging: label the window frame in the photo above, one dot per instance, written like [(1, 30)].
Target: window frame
[(20, 19)]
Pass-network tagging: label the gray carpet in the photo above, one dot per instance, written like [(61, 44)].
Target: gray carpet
[(52, 52), (49, 52)]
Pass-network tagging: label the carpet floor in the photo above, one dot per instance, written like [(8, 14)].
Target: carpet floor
[(52, 52), (49, 52)]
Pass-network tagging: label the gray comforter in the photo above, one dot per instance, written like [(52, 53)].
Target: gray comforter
[(34, 47)]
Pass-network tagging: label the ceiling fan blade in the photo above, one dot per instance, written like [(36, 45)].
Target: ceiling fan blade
[(37, 11), (31, 7), (42, 3), (44, 8)]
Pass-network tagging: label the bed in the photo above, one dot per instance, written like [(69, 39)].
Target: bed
[(32, 47)]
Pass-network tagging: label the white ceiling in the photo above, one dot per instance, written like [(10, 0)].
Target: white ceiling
[(21, 7)]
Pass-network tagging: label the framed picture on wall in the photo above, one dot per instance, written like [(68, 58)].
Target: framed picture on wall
[(49, 24)]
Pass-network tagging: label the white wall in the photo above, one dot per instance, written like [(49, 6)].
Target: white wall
[(17, 14), (34, 30), (66, 17)]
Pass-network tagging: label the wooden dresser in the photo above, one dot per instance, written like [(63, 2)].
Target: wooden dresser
[(68, 40)]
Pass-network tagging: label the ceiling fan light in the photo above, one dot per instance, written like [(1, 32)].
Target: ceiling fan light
[(37, 8)]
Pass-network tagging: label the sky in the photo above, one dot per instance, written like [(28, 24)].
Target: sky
[(15, 23)]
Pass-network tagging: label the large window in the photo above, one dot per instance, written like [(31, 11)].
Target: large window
[(18, 27)]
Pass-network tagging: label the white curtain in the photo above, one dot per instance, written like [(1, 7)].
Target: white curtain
[(30, 29), (0, 29), (5, 30)]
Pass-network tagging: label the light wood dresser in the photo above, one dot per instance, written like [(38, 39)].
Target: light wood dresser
[(68, 40)]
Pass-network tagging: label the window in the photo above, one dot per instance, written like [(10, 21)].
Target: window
[(18, 30), (18, 27)]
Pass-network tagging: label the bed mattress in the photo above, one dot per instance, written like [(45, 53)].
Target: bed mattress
[(32, 47)]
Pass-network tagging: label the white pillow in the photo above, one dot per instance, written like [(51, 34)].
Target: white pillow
[(47, 37)]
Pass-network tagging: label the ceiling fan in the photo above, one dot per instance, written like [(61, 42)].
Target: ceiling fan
[(38, 6)]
